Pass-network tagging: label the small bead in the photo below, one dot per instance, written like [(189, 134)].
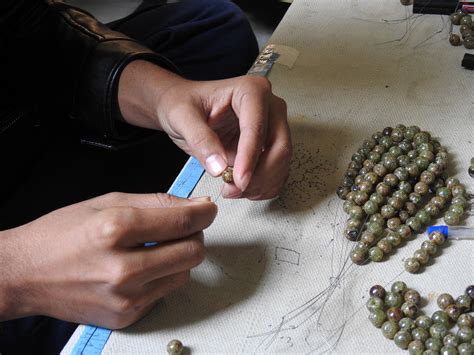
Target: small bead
[(377, 218), (444, 300), (228, 175), (437, 237), (370, 207), (402, 195), (411, 208), (393, 223), (380, 170), (459, 200), (358, 257), (402, 338), (470, 291), (428, 157), (361, 247), (411, 131), (405, 186), (394, 314), (403, 160), (451, 219), (391, 180), (453, 312), (466, 20), (421, 256), (432, 209), (465, 334), (347, 205), (174, 347), (375, 228), (444, 192), (438, 201), (465, 320), (377, 291), (375, 254), (451, 340), (389, 329), (457, 210), (415, 198), (397, 135), (407, 324), (421, 137), (466, 349), (356, 212), (421, 188), (440, 317), (416, 347), (368, 237), (396, 203), (366, 186), (387, 211), (412, 265), (399, 287), (412, 296), (404, 231), (371, 177), (377, 198), (414, 224), (409, 309), (438, 330), (403, 215), (352, 229), (393, 299), (455, 18), (394, 238), (421, 162), (434, 344), (429, 247), (451, 181), (374, 303), (423, 216), (458, 190), (360, 197), (464, 301), (448, 350), (424, 322), (420, 334), (387, 131), (385, 245), (377, 318)]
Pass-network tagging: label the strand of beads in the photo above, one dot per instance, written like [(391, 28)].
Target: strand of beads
[(386, 182), (396, 312), (466, 29)]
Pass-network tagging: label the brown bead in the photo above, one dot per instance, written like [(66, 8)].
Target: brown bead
[(469, 42), (454, 39), (385, 245), (444, 300), (393, 223), (394, 314), (453, 311), (412, 296), (421, 188), (228, 175), (437, 237), (377, 291)]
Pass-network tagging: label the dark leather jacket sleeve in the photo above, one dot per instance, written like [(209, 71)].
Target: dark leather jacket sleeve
[(56, 55)]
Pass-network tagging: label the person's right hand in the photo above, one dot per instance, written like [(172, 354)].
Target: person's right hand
[(86, 263)]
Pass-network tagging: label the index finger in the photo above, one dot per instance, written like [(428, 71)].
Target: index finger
[(252, 109)]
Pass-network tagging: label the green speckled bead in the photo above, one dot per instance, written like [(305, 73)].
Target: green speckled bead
[(368, 237), (412, 154), (403, 160), (377, 318), (440, 317), (356, 212), (465, 320), (438, 330), (389, 329), (394, 223), (456, 18), (459, 200), (361, 247), (366, 186), (394, 238), (380, 170), (370, 207), (371, 177), (421, 162), (425, 146), (422, 256), (393, 299), (375, 228), (405, 186), (385, 245), (402, 195), (377, 218), (412, 265), (395, 151), (421, 188), (432, 209), (451, 340), (423, 216), (347, 205), (465, 334), (397, 135), (415, 198), (399, 287), (360, 197), (414, 224), (434, 344), (402, 338), (458, 190), (427, 177), (387, 211), (451, 219), (416, 347), (444, 192), (453, 312), (451, 181), (448, 350), (404, 231), (374, 156), (407, 324), (439, 201), (412, 296), (375, 254), (383, 188), (444, 300), (429, 247), (464, 301), (174, 347), (358, 257), (427, 156), (403, 215), (377, 198), (435, 169), (386, 141), (401, 173), (456, 209), (421, 137), (465, 349), (391, 180), (369, 143), (390, 162), (466, 20), (374, 303), (424, 322), (411, 208), (411, 131), (420, 334), (437, 237), (352, 229)]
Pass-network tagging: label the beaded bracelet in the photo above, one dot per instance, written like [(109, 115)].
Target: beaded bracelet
[(396, 312), (387, 189)]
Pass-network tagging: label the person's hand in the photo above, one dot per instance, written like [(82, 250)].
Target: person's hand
[(86, 263), (237, 122)]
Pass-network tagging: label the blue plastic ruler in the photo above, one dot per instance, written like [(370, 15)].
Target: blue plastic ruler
[(93, 339)]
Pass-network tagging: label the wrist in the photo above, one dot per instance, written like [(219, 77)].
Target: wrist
[(142, 84), (14, 290)]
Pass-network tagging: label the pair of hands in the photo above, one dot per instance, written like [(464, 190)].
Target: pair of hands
[(86, 263)]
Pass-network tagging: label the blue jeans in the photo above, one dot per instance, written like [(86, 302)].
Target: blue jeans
[(206, 40)]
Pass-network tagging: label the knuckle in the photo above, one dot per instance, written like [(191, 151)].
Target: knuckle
[(115, 196), (115, 223), (122, 305), (164, 200), (119, 275), (195, 251), (262, 82)]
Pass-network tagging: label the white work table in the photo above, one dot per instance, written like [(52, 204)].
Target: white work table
[(360, 67)]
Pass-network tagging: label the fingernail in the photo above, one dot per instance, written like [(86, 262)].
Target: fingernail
[(245, 181), (200, 199), (215, 165)]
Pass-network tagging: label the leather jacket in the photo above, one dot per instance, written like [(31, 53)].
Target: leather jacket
[(58, 64)]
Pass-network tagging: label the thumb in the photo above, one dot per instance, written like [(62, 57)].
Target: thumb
[(202, 141), (151, 200)]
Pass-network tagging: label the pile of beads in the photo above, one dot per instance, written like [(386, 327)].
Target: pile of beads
[(466, 28), (428, 248), (396, 313), (386, 184)]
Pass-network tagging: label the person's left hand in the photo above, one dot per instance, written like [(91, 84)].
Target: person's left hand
[(236, 122)]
